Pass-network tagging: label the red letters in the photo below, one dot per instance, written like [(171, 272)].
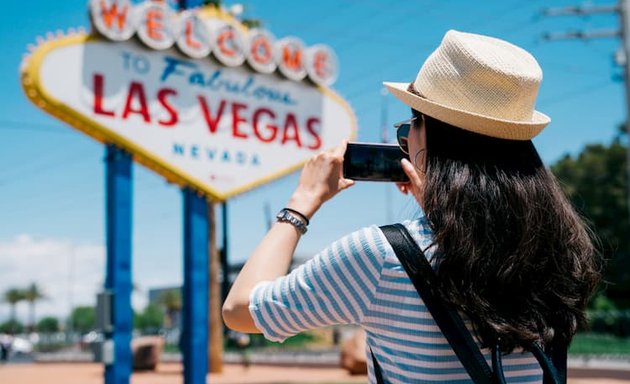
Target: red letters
[(136, 91), (237, 118), (270, 127), (98, 96), (292, 58), (291, 125), (161, 96), (190, 41), (136, 102), (154, 24), (264, 125), (313, 132), (261, 50), (213, 122), (223, 45), (113, 13)]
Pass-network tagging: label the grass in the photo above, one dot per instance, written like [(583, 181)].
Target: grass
[(583, 344), (298, 342), (599, 344)]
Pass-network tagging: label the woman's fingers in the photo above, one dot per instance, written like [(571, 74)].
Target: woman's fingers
[(340, 150), (322, 177), (410, 171), (403, 187)]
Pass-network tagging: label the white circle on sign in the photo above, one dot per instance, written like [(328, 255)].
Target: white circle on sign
[(321, 64), (289, 53), (259, 51), (114, 19), (156, 25), (193, 36), (228, 46)]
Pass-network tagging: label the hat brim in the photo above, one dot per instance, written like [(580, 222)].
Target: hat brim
[(470, 121)]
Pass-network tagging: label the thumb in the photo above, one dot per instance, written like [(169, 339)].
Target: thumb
[(345, 183)]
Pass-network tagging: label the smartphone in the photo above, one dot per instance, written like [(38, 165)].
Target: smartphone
[(374, 162)]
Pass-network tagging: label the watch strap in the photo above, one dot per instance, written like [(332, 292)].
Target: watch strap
[(287, 216)]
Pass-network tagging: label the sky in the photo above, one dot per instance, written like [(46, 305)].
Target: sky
[(52, 197)]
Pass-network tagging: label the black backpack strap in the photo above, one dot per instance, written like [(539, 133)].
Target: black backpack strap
[(378, 373), (554, 367), (559, 360), (424, 280)]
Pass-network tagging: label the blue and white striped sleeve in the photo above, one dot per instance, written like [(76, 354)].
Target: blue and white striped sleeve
[(335, 287)]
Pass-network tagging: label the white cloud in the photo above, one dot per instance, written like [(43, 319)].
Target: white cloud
[(68, 273)]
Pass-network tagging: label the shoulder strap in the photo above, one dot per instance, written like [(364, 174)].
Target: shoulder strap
[(554, 368), (424, 280), (559, 360), (378, 372)]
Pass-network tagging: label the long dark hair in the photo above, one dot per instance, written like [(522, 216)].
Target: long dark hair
[(511, 252)]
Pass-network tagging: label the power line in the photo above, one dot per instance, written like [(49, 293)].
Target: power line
[(513, 7), (622, 9), (565, 96), (44, 165), (32, 126), (360, 92)]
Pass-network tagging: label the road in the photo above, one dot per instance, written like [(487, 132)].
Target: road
[(171, 373)]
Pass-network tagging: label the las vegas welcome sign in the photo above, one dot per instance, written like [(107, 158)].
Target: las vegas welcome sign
[(193, 95)]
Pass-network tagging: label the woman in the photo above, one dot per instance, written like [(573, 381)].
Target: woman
[(509, 251)]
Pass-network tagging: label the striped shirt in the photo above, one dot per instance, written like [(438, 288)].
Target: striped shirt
[(359, 280)]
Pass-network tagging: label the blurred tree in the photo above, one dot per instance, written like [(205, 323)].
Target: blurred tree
[(13, 296), (252, 23), (12, 327), (596, 183), (601, 303), (48, 325), (150, 320), (32, 295), (83, 319), (171, 301), (214, 3)]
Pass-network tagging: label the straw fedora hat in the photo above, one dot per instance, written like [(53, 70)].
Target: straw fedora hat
[(480, 84)]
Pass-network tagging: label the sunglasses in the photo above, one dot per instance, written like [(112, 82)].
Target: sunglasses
[(402, 134)]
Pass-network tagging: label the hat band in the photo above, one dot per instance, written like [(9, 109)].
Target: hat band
[(412, 89)]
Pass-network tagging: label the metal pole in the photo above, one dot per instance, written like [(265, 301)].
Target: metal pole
[(625, 39), (225, 265), (215, 325), (185, 4), (194, 338), (69, 329), (118, 275)]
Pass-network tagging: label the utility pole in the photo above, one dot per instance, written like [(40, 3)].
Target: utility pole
[(622, 8)]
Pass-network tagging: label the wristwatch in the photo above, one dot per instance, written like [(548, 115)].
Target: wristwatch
[(286, 216)]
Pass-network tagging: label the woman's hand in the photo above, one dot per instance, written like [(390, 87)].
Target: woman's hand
[(321, 179), (415, 185)]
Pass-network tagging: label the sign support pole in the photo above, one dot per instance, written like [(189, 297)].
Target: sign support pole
[(225, 264), (195, 293), (185, 4), (215, 326), (118, 275), (196, 277)]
